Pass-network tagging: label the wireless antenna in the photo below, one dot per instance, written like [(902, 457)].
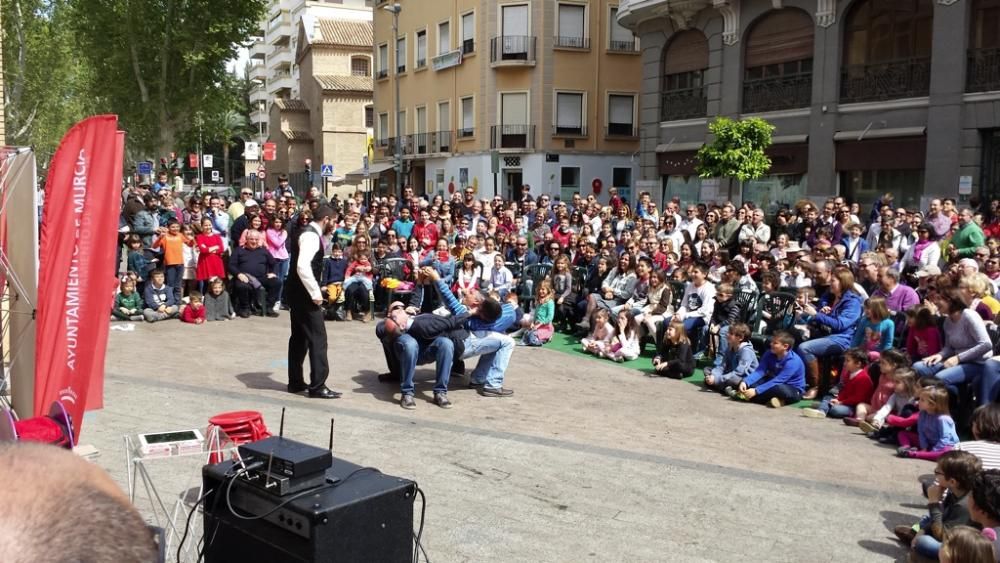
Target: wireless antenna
[(281, 429), (270, 459), (331, 434)]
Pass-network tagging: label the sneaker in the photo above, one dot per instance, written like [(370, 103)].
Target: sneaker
[(904, 451), (619, 359), (812, 413), (441, 400), (851, 421), (495, 392), (905, 534), (273, 314), (866, 427), (811, 393), (407, 402), (884, 438), (775, 403), (730, 392)]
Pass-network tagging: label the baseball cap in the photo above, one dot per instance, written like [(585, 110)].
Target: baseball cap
[(250, 203)]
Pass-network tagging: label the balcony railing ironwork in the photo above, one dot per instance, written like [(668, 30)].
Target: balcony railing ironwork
[(382, 73), (468, 46), (428, 143), (624, 46), (512, 137), (466, 132), (569, 130), (685, 103), (876, 82), (623, 130), (982, 73), (512, 48), (572, 42), (777, 93)]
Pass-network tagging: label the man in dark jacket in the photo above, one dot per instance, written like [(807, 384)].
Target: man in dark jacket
[(253, 269)]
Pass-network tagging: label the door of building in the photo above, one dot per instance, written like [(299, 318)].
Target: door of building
[(990, 169), (513, 181)]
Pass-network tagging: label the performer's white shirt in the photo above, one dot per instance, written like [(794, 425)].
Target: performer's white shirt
[(309, 245)]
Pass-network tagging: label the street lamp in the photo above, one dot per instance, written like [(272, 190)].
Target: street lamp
[(395, 9)]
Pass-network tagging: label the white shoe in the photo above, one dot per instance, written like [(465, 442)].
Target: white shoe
[(813, 413)]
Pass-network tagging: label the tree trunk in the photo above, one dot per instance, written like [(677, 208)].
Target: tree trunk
[(225, 162)]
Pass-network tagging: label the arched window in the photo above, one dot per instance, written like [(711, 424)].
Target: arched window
[(779, 62), (983, 71), (887, 50), (685, 60)]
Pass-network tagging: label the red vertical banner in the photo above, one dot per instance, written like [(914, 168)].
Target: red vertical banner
[(77, 265)]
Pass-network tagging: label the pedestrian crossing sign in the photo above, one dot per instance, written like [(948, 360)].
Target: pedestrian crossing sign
[(326, 171)]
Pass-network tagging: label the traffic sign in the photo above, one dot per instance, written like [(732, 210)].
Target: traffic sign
[(261, 173), (207, 160), (193, 160), (251, 151), (326, 171), (144, 167), (215, 175), (365, 161)]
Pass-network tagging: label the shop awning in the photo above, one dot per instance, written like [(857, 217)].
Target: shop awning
[(373, 171)]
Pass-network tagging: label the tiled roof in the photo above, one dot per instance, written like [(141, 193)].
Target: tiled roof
[(291, 105), (347, 33), (344, 83), (293, 135)]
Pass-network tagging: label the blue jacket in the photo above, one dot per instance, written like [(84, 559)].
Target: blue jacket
[(157, 296), (771, 371), (843, 319), (937, 431), (445, 269), (740, 362), (508, 315)]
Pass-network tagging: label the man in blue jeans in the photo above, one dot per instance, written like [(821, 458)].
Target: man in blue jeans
[(411, 340), (780, 378)]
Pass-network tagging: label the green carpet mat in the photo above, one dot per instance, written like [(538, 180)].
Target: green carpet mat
[(569, 344)]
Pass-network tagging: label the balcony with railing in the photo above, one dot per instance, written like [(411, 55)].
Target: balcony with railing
[(621, 131), (512, 137), (512, 50), (466, 133), (982, 73), (578, 43), (280, 58), (776, 93), (279, 29), (258, 94), (468, 46), (381, 73), (258, 72), (877, 82), (258, 50), (429, 143), (563, 130), (281, 80), (683, 103), (624, 45)]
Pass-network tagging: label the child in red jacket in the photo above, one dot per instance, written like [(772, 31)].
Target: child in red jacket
[(855, 387), (194, 311)]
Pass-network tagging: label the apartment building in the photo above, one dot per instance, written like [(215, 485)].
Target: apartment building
[(867, 96), (544, 92), (313, 98)]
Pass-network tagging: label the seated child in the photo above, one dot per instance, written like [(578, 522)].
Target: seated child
[(194, 312), (740, 361), (935, 433), (780, 378), (965, 544), (674, 358), (900, 412), (923, 338), (334, 272), (538, 323), (128, 304), (501, 278), (625, 344), (986, 434), (888, 362), (601, 333), (875, 330), (360, 270), (161, 300), (803, 296), (725, 313), (984, 506), (854, 388), (948, 504), (218, 306)]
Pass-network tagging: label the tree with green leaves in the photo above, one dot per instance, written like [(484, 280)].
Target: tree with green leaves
[(161, 61), (737, 151)]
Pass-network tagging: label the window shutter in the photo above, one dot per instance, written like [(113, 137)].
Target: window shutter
[(687, 52), (620, 109), (468, 120), (515, 20), (569, 110), (619, 33), (571, 21), (782, 36), (514, 108)]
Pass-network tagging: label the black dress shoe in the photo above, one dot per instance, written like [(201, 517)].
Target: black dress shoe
[(272, 313), (324, 393), (243, 314), (297, 388), (495, 392)]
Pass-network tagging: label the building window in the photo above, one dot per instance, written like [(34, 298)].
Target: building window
[(514, 131), (779, 57), (383, 60), (569, 182), (983, 69), (444, 37), (360, 66), (442, 139), (383, 129), (401, 55), (620, 39), (421, 61), (572, 27), (468, 33), (401, 123), (468, 118), (887, 50), (621, 178), (515, 42), (621, 115), (369, 117), (569, 114), (682, 91)]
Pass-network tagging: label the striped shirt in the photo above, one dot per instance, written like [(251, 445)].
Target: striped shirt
[(987, 452)]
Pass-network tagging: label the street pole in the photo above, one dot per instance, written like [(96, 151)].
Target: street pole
[(201, 175), (396, 9), (260, 126)]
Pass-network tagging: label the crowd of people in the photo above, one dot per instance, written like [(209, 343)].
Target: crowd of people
[(882, 316)]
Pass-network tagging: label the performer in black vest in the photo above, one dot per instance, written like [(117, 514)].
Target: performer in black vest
[(305, 304)]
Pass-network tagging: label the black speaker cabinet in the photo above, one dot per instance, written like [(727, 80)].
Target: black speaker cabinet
[(367, 517)]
